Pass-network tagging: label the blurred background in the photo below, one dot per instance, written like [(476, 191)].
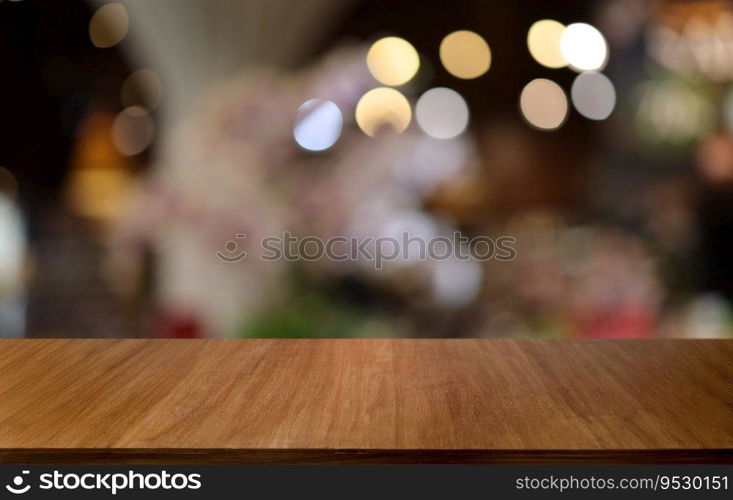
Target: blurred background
[(141, 139)]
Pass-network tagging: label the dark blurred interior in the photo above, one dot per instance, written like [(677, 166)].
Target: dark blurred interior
[(144, 144)]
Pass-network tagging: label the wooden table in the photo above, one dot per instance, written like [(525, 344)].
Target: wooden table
[(365, 401)]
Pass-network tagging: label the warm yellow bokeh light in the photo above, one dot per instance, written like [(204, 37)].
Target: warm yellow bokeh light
[(108, 25), (99, 193), (543, 41), (465, 54), (383, 108), (393, 61)]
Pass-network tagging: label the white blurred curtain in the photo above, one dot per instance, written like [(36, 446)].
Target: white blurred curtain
[(195, 43)]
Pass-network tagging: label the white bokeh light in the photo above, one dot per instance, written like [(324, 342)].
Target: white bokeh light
[(318, 125), (133, 130), (584, 47), (456, 282), (442, 113), (431, 162), (593, 95)]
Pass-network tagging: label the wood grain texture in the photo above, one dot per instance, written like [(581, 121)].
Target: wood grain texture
[(365, 401)]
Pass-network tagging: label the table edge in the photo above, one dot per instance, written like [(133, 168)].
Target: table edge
[(361, 456)]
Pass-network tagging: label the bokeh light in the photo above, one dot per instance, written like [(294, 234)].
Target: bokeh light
[(694, 46), (593, 95), (715, 158), (142, 88), (108, 25), (543, 104), (465, 54), (442, 113), (318, 125), (543, 41), (393, 61), (456, 282), (383, 108), (8, 184), (584, 47), (708, 316), (671, 111), (432, 162), (728, 110), (133, 130)]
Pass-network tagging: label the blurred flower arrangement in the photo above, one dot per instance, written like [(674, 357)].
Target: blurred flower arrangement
[(234, 168)]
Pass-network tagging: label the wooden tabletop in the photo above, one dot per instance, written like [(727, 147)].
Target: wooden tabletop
[(365, 401)]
